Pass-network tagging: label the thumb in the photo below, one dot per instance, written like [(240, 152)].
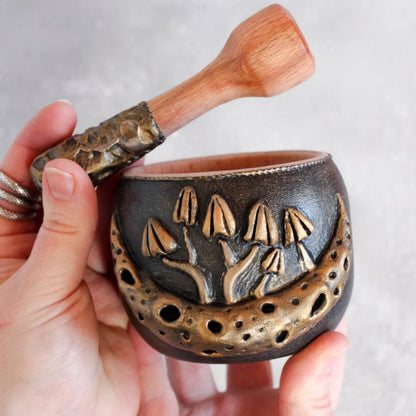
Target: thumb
[(57, 262), (308, 377)]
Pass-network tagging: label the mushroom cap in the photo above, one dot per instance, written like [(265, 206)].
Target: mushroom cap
[(274, 262), (297, 226), (186, 207), (262, 227), (219, 220), (156, 239)]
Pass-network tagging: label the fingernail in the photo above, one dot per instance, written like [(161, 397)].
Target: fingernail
[(64, 100), (61, 184)]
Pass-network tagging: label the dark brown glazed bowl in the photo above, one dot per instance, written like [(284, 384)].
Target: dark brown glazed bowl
[(234, 258)]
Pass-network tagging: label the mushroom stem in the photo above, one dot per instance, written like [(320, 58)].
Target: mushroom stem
[(229, 256), (193, 256), (305, 260), (234, 273), (260, 290), (198, 276)]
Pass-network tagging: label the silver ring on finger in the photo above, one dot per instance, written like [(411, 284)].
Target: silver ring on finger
[(18, 196)]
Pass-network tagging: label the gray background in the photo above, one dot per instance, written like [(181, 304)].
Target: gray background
[(106, 55)]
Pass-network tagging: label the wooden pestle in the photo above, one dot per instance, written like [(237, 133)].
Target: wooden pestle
[(264, 56)]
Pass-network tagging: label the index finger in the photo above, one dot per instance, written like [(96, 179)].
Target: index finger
[(51, 125)]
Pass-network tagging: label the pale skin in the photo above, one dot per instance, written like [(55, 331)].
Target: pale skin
[(66, 346)]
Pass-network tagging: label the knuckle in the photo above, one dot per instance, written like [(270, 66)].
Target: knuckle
[(322, 405), (60, 224), (309, 404)]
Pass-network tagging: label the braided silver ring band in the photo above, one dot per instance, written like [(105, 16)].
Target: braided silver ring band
[(20, 197)]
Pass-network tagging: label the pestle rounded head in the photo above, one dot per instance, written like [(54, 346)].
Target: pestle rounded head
[(269, 53)]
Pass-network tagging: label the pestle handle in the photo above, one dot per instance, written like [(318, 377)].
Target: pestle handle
[(265, 55)]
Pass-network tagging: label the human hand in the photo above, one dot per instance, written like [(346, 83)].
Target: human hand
[(66, 346)]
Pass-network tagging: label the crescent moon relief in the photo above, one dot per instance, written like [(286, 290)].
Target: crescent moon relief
[(250, 326)]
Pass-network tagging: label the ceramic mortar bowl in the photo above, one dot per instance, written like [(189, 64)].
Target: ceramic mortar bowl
[(234, 258)]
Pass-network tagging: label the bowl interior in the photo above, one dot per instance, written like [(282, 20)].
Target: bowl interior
[(228, 164)]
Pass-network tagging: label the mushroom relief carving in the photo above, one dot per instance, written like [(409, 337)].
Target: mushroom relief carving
[(297, 228), (219, 225)]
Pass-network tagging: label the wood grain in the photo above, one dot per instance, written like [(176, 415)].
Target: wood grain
[(264, 56)]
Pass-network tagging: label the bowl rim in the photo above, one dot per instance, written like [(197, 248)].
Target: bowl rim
[(236, 164)]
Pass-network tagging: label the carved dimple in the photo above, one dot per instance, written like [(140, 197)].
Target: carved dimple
[(319, 305), (71, 144)]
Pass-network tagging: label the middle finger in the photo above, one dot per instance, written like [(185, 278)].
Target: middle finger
[(192, 382), (249, 376)]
